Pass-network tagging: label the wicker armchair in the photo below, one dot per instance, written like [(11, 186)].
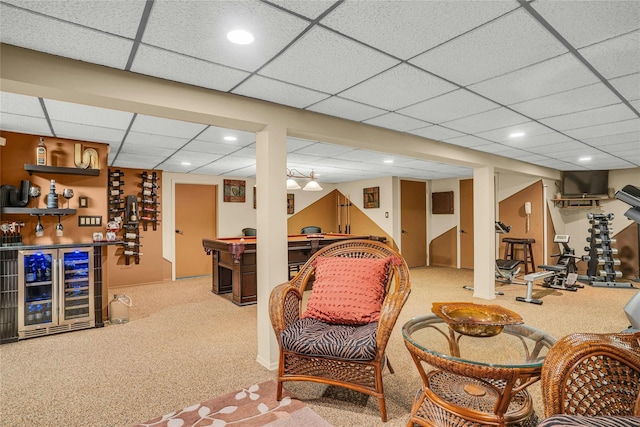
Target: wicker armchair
[(592, 375), (361, 375)]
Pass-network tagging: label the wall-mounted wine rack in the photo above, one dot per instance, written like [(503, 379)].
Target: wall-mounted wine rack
[(149, 197)]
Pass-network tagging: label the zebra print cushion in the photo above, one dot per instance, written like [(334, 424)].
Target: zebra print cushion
[(313, 337), (578, 421)]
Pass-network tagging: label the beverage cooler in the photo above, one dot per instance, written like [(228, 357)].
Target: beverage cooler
[(55, 291)]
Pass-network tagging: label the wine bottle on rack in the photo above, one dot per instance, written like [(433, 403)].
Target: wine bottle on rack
[(41, 153), (52, 197)]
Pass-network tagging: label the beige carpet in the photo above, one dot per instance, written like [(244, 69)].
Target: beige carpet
[(254, 406), (185, 345)]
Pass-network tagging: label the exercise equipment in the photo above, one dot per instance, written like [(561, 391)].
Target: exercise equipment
[(530, 278), (601, 271), (506, 269), (565, 271)]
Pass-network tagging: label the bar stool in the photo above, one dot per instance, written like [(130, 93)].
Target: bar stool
[(510, 247)]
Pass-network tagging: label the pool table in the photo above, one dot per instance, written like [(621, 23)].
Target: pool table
[(234, 264)]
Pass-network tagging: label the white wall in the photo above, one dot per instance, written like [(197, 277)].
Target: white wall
[(438, 224)]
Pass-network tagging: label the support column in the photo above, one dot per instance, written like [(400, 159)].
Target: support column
[(271, 225), (484, 241)]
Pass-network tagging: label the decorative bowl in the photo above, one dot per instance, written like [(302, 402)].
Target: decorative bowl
[(476, 320)]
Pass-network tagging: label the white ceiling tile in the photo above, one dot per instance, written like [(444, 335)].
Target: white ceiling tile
[(503, 135), (615, 57), (557, 147), (625, 126), (450, 106), (248, 152), (167, 127), (340, 107), (181, 68), (20, 105), (311, 62), (596, 116), (628, 86), (320, 149), (209, 147), (529, 157), (585, 22), (24, 124), (83, 132), (554, 75), (618, 138), (467, 141), (555, 164), (230, 163), (624, 147), (310, 9), (492, 119), (297, 143), (196, 159), (296, 159), (88, 115), (436, 132), (397, 122), (506, 44), (36, 32), (199, 29), (218, 135), (146, 159), (115, 17), (545, 139), (141, 149), (279, 92), (398, 87), (497, 149), (584, 98), (424, 24), (636, 104), (152, 141)]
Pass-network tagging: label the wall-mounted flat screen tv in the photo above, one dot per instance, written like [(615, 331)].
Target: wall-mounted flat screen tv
[(585, 183)]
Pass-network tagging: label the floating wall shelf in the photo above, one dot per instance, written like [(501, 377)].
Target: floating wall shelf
[(61, 170)]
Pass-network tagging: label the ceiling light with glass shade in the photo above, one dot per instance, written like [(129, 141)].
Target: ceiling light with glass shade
[(292, 184)]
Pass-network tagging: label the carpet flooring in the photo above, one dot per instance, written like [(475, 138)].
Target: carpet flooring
[(185, 345)]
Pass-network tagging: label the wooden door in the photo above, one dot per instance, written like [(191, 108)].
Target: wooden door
[(466, 223), (413, 221), (195, 218)]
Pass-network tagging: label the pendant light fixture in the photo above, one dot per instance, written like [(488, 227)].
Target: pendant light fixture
[(312, 185)]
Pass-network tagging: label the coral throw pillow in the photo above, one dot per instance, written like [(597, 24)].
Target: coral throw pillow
[(347, 291)]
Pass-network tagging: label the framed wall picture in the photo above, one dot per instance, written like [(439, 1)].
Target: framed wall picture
[(290, 204), (371, 197), (254, 197), (234, 190)]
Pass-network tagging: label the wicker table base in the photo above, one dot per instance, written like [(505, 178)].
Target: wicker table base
[(452, 400)]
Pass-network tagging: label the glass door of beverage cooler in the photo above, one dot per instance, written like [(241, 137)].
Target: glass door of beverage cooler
[(76, 279), (37, 292)]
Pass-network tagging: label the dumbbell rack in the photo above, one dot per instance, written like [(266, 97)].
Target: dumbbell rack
[(601, 271), (149, 198)]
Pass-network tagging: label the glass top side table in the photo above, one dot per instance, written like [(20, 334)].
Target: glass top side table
[(473, 381)]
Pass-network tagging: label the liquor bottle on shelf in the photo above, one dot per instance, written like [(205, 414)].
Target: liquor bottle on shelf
[(41, 153), (52, 197)]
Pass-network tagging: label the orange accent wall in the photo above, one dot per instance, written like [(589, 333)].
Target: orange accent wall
[(512, 213), (21, 150), (323, 213), (443, 250), (150, 269)]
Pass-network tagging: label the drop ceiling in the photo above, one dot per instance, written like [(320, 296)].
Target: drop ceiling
[(467, 73)]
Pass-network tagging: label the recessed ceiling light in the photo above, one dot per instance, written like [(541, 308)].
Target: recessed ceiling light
[(186, 163), (388, 161), (516, 135), (230, 138), (240, 37), (584, 159)]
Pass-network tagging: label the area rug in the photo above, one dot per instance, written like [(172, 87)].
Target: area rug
[(255, 406)]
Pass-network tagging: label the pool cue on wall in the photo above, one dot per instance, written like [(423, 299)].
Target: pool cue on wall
[(339, 219)]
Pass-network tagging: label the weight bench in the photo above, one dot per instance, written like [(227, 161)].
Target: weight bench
[(530, 278)]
